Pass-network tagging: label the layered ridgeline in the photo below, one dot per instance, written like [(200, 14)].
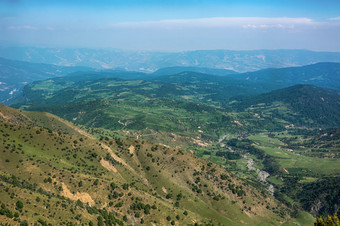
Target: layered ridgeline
[(188, 86), (16, 74), (179, 69), (52, 172), (325, 75), (141, 107), (301, 104), (240, 61), (103, 99)]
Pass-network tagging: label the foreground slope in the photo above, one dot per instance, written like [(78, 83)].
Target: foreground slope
[(53, 172)]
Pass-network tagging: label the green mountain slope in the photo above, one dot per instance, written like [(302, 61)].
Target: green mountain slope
[(280, 140), (311, 105), (196, 87), (59, 176), (171, 104)]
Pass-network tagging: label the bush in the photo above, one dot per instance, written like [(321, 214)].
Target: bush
[(19, 204), (168, 196)]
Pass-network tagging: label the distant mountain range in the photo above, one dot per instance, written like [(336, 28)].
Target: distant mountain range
[(179, 69), (320, 74), (16, 74), (306, 104), (239, 61)]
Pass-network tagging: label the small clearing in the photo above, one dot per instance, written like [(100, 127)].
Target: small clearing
[(200, 142), (82, 196), (132, 149), (238, 123), (108, 166), (164, 190)]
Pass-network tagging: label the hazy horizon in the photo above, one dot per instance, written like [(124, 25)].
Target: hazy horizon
[(172, 26), (9, 46)]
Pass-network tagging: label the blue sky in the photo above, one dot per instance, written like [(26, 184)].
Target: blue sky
[(172, 25)]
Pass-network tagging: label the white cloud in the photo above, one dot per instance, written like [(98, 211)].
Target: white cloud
[(23, 27), (29, 27), (215, 22), (335, 18)]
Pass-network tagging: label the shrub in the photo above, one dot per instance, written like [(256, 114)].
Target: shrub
[(19, 204)]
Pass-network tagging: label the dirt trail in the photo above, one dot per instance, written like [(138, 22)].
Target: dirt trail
[(286, 170), (82, 132), (118, 159), (238, 123), (82, 196), (113, 155), (108, 166), (4, 116)]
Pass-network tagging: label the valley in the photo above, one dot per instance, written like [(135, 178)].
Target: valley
[(118, 147), (169, 113)]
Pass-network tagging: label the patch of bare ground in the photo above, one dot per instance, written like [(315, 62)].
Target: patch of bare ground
[(287, 172), (118, 159), (238, 123), (82, 196), (200, 142), (108, 166), (5, 117), (132, 149), (113, 155)]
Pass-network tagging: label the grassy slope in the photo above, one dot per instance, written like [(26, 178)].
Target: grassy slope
[(149, 115), (69, 158), (303, 105)]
